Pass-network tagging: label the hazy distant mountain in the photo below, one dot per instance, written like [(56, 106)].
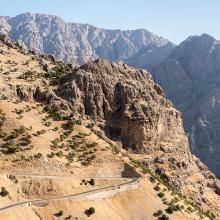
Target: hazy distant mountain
[(79, 43), (190, 77)]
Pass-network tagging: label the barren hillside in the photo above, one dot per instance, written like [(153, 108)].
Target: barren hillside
[(98, 141)]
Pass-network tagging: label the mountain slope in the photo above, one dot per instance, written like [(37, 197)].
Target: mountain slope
[(79, 43), (190, 77), (103, 119)]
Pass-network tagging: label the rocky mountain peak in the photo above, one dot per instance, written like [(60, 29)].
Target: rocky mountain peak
[(80, 43), (197, 38), (190, 77), (207, 36), (194, 46)]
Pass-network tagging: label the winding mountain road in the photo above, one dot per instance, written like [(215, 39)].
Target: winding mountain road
[(129, 181)]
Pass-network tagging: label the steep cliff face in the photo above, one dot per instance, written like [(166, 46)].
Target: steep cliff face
[(80, 43), (190, 78), (133, 106)]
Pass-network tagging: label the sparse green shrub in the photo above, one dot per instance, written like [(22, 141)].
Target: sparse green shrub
[(70, 156), (19, 111), (156, 188), (145, 170), (27, 108), (189, 209), (177, 207), (12, 148), (91, 125), (55, 129), (55, 75), (51, 155), (163, 217), (81, 135), (83, 182), (165, 202), (59, 154), (91, 145), (70, 124), (210, 215), (161, 194), (48, 123), (59, 214), (2, 134), (56, 115), (114, 148), (38, 133), (26, 140), (213, 216), (92, 182), (170, 210), (152, 179), (13, 135), (2, 118), (55, 143), (30, 75), (158, 213), (21, 130), (38, 156), (4, 192), (90, 211)]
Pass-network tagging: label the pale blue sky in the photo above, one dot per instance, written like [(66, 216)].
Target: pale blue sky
[(172, 19)]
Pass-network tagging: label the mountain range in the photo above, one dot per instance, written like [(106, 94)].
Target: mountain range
[(188, 73), (79, 43)]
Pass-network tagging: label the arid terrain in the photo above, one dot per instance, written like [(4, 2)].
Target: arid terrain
[(98, 141), (188, 72)]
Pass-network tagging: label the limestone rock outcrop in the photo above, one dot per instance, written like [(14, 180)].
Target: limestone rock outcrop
[(132, 105)]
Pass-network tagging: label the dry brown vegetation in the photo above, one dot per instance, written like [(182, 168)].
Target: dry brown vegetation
[(36, 140)]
